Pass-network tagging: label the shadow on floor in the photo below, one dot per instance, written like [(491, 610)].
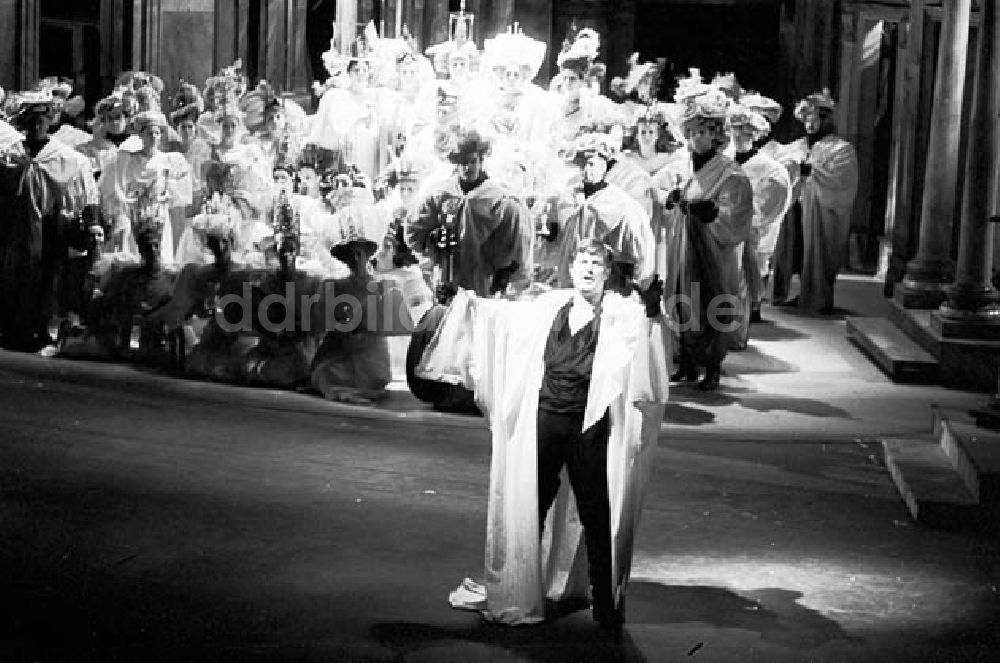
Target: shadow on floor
[(753, 361), (685, 397), (773, 613), (576, 640), (770, 330)]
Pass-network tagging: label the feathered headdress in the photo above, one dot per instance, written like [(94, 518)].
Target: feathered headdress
[(742, 117), (579, 53)]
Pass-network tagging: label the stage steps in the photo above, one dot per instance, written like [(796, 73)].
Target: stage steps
[(899, 356), (951, 476)]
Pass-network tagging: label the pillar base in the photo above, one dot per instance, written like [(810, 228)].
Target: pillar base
[(911, 293), (971, 311), (925, 284)]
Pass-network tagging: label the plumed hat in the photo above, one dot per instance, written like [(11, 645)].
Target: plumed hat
[(742, 117), (579, 53), (690, 86), (817, 101), (710, 105), (514, 48), (766, 106), (22, 104), (728, 84), (638, 72), (228, 86)]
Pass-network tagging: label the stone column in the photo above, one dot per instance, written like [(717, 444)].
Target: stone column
[(971, 309), (929, 272)]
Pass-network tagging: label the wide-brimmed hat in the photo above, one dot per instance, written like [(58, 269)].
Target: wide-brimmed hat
[(741, 117), (464, 141), (514, 48), (766, 106), (712, 104), (147, 118), (21, 105)]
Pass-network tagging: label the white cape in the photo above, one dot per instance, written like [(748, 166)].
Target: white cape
[(497, 348)]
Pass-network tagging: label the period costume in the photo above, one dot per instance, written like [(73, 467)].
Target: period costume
[(499, 350)]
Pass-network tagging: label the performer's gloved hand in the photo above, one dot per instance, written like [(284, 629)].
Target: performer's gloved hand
[(652, 297), (674, 198), (805, 169), (705, 211), (445, 292)]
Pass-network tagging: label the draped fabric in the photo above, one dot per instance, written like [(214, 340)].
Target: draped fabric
[(38, 195), (351, 123), (614, 217), (827, 201), (496, 348), (709, 255), (494, 231)]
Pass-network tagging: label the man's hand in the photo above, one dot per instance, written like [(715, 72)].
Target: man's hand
[(673, 199), (705, 211), (501, 278), (652, 297)]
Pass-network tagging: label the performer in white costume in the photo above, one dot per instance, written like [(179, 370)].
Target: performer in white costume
[(522, 111), (146, 182), (577, 378), (824, 173), (772, 194), (348, 118)]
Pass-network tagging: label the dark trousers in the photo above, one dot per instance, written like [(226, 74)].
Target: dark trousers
[(585, 456)]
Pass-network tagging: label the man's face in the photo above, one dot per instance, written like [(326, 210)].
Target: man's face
[(571, 84), (187, 131), (588, 272), (813, 122), (700, 136), (458, 68), (115, 122), (150, 135), (470, 167), (594, 169)]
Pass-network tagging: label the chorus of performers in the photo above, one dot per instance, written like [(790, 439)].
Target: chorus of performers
[(453, 169), (551, 258)]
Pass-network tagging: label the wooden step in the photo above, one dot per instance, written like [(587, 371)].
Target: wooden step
[(976, 450), (933, 491), (895, 353)]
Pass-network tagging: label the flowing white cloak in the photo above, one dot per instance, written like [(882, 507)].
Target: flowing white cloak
[(504, 364)]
